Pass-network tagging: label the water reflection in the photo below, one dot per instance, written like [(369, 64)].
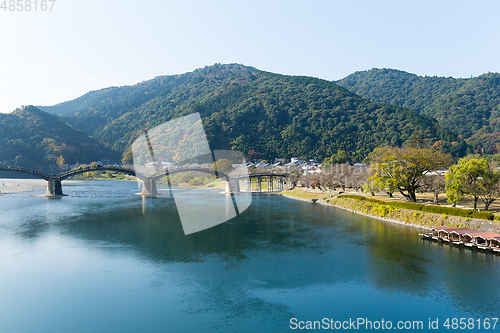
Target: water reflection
[(156, 229), (279, 259), (322, 249)]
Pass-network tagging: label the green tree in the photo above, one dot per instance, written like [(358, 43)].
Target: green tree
[(490, 187), (405, 168), (369, 187), (415, 140), (465, 179), (382, 180), (340, 157), (223, 165)]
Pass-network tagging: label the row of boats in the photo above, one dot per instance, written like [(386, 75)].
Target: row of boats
[(488, 241)]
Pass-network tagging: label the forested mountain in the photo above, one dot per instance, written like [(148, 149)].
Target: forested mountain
[(35, 139), (115, 100), (469, 106), (244, 108)]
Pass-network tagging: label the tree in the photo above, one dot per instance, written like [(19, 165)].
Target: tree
[(368, 187), (490, 187), (465, 178), (357, 177), (382, 181), (336, 175), (223, 165), (434, 183), (340, 157), (312, 181), (60, 161), (253, 155), (415, 140), (473, 177), (405, 168), (343, 175), (293, 179), (128, 157)]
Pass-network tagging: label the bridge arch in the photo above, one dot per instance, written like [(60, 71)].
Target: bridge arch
[(207, 171), (54, 186), (78, 171), (131, 172), (26, 171)]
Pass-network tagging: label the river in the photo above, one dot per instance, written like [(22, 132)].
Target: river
[(103, 259)]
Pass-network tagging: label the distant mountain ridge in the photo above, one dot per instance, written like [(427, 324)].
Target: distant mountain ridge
[(35, 139), (244, 108), (139, 93), (469, 106)]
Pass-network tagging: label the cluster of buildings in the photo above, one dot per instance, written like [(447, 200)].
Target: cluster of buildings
[(173, 166), (306, 166)]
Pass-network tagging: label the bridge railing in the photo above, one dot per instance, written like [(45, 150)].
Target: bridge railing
[(128, 170), (26, 170)]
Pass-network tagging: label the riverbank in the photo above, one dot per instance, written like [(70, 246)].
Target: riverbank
[(9, 185), (13, 185), (389, 213)]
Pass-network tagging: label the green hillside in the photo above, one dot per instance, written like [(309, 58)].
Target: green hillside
[(244, 108), (35, 139), (469, 106)]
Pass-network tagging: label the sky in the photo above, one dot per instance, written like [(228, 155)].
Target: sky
[(48, 57)]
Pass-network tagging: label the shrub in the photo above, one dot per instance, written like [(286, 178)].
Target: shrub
[(353, 196), (448, 211), (408, 205), (361, 198), (445, 211), (483, 215), (382, 210), (404, 205)]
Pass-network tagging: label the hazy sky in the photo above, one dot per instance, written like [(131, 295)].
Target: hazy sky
[(50, 57)]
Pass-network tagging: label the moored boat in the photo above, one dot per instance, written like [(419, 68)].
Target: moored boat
[(486, 241)]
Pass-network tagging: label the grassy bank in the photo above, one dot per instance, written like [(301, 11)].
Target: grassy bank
[(401, 212), (305, 194)]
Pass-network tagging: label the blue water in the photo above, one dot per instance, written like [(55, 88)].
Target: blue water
[(103, 259)]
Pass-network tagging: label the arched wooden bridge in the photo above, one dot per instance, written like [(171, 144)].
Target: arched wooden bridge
[(54, 185), (275, 181)]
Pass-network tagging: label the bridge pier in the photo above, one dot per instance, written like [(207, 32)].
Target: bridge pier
[(54, 188), (149, 188), (232, 186)]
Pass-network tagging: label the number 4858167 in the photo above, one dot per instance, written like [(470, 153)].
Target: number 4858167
[(470, 323), (27, 5)]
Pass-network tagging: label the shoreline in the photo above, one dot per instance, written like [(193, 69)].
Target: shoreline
[(21, 185), (408, 217), (322, 202)]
